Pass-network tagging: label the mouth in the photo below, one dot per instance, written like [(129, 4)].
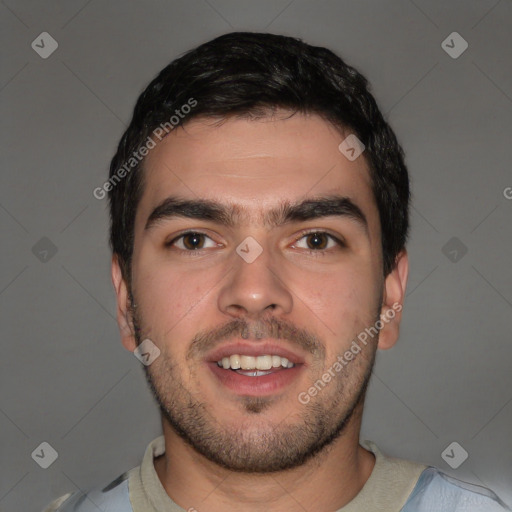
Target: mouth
[(254, 366), (246, 372)]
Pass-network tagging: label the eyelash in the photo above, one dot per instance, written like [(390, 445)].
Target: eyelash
[(315, 252)]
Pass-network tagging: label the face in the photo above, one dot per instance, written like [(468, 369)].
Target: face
[(257, 261)]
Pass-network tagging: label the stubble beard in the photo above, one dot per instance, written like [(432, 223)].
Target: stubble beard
[(257, 445)]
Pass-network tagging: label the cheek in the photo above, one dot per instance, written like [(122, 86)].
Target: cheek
[(343, 291), (344, 302), (166, 297)]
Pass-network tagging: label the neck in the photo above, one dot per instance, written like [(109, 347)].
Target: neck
[(328, 481)]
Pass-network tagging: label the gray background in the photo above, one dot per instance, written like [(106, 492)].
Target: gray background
[(65, 378)]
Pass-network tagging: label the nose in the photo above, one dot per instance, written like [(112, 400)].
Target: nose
[(254, 287)]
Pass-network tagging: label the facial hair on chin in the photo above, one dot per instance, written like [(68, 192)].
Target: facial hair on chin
[(257, 446)]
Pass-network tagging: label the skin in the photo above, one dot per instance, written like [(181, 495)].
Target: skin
[(327, 298)]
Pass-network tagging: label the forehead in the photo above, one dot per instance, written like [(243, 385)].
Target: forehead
[(254, 165)]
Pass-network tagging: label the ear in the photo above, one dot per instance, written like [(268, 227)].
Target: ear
[(124, 318), (393, 299)]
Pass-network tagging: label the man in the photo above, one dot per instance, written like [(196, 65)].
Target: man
[(259, 214)]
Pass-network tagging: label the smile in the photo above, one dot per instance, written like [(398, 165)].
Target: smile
[(264, 362)]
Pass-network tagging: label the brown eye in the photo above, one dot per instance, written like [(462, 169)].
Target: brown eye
[(190, 241), (319, 241), (193, 240)]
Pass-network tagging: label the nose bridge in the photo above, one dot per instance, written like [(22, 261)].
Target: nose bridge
[(254, 283)]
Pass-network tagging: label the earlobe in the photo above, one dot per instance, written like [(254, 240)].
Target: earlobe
[(124, 320), (394, 294)]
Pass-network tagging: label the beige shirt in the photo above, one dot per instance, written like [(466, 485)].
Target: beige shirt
[(390, 484)]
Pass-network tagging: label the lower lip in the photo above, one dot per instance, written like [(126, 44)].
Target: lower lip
[(255, 386)]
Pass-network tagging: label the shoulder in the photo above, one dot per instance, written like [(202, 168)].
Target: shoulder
[(438, 491), (113, 497)]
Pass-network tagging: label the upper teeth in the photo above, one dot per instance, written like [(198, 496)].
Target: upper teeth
[(236, 362)]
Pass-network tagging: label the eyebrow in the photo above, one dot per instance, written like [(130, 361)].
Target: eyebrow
[(228, 215)]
